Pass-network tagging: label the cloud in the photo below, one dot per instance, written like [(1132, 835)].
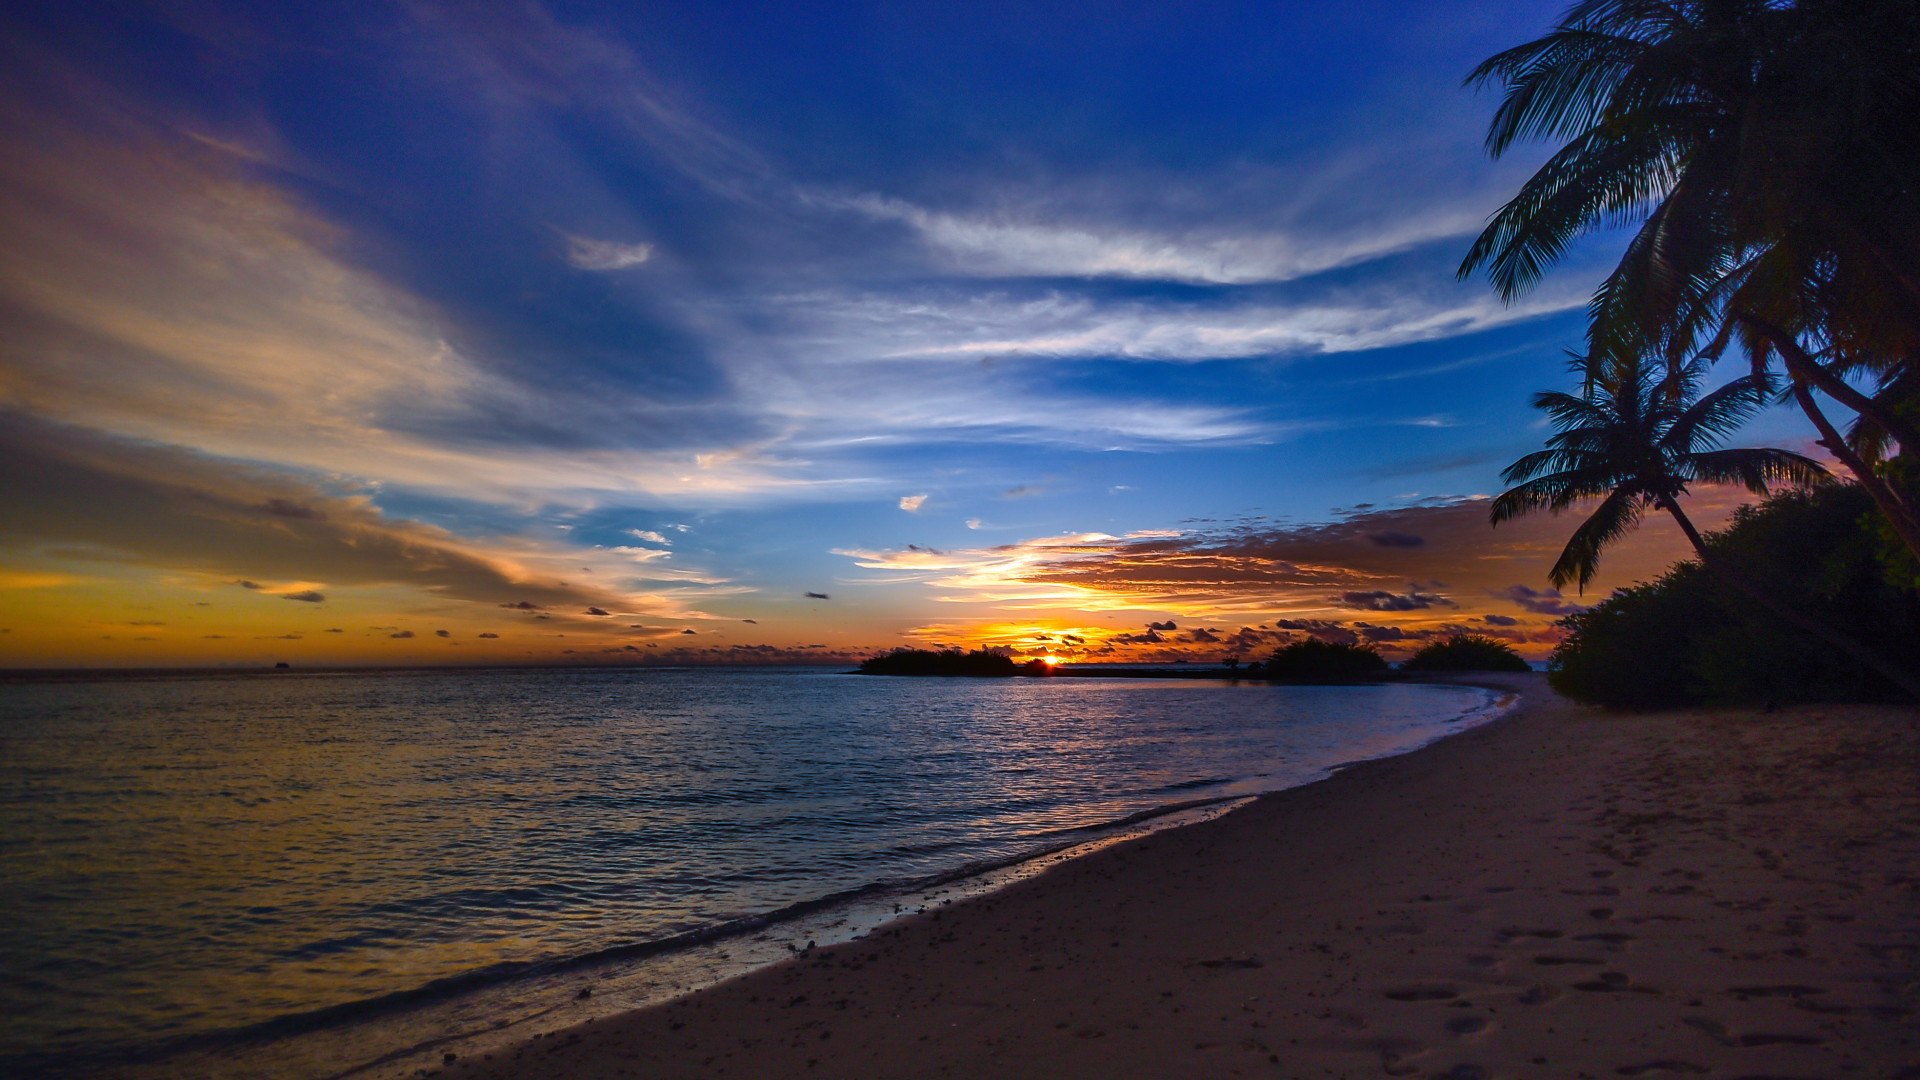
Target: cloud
[(1042, 241), (1062, 323), (1321, 629), (912, 503), (443, 633), (598, 611), (1390, 539), (161, 285), (585, 254), (402, 634), (642, 555), (818, 596), (1301, 578), (1542, 601), (1499, 620), (1382, 600), (755, 622), (487, 634), (164, 506), (649, 536)]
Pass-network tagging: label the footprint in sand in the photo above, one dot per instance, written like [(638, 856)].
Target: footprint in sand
[(1423, 992), (1748, 993), (1613, 982), (1686, 1068), (1718, 1032), (1510, 932)]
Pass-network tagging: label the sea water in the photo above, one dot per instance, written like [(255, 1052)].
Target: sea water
[(192, 864)]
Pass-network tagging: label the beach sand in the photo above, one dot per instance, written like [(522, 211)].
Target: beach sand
[(1560, 893)]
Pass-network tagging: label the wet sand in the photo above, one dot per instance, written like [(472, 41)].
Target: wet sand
[(1560, 893)]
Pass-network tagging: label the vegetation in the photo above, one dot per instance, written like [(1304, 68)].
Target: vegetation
[(1768, 152), (1689, 638), (1316, 661), (1466, 652), (1765, 150), (1634, 443), (948, 662)]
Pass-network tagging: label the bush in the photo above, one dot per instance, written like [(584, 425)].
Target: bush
[(949, 662), (1466, 652), (1687, 639), (1635, 649), (1316, 661)]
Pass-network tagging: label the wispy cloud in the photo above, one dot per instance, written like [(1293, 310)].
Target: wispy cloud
[(1061, 325), (89, 496), (1032, 242), (585, 254)]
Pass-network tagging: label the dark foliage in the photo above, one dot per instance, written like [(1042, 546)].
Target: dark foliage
[(1633, 650), (1686, 639), (1466, 652), (949, 662), (1316, 661)]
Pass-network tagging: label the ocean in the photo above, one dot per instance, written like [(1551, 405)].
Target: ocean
[(307, 874)]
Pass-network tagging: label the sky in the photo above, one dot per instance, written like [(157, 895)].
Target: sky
[(478, 332)]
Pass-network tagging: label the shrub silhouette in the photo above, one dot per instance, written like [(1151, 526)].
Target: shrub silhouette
[(948, 662), (1685, 639), (1313, 660), (1466, 652)]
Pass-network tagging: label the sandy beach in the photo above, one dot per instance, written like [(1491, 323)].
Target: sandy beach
[(1560, 893)]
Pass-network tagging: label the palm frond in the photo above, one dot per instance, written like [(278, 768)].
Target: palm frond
[(1614, 518), (1756, 468), (1719, 414), (1553, 493), (1598, 176)]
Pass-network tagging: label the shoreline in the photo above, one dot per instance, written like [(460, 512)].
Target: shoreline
[(481, 1012), (1553, 892)]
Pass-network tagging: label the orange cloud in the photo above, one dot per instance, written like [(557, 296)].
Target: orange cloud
[(1395, 577)]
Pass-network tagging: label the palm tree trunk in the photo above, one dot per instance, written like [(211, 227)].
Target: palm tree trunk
[(1804, 368), (1896, 510), (1898, 677)]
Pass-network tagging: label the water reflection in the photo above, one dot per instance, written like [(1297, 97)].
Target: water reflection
[(198, 855)]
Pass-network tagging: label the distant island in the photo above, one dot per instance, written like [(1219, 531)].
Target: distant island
[(1309, 661), (980, 663)]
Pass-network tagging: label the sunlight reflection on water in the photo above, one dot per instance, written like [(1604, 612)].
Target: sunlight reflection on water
[(197, 855)]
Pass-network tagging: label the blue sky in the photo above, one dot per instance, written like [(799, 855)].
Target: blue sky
[(478, 318)]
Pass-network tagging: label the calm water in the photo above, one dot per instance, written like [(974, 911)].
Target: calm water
[(194, 856)]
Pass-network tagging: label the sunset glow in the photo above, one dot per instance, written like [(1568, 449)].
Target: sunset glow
[(529, 337)]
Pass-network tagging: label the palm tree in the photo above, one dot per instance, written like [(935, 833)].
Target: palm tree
[(1634, 441), (1768, 153)]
